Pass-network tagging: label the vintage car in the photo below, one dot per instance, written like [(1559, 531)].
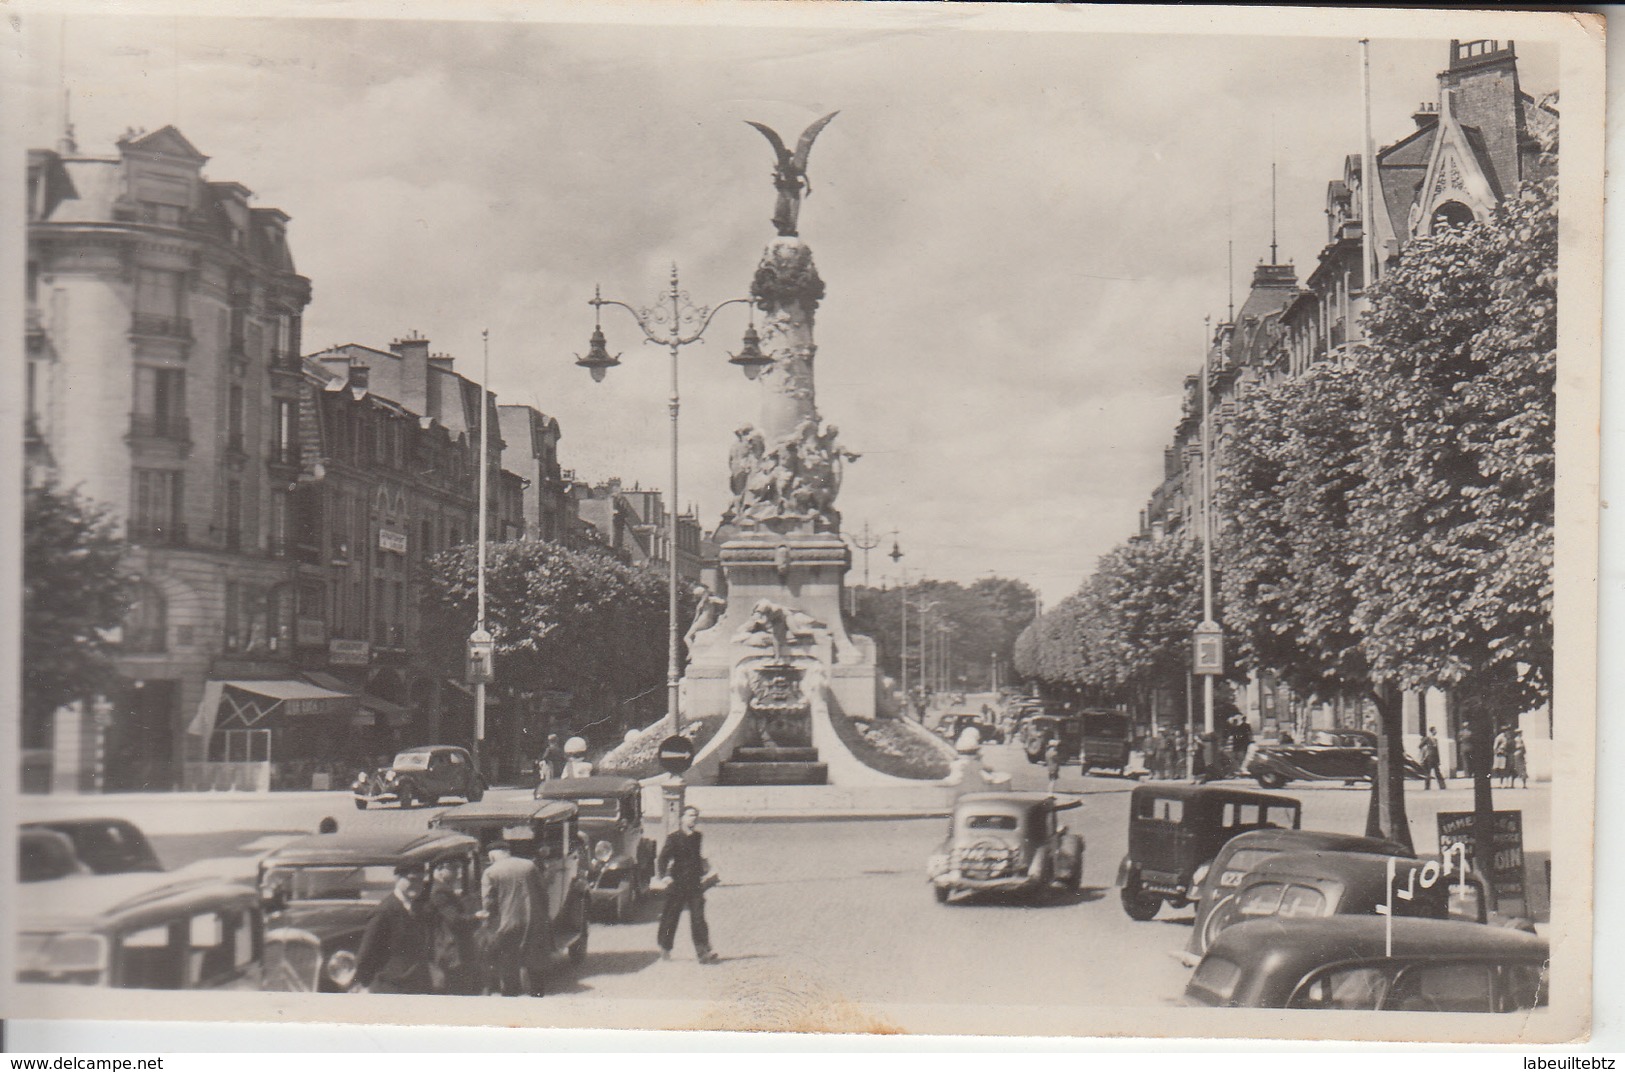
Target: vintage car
[(43, 855), (1326, 756), (1216, 884), (1006, 842), (546, 833), (319, 892), (952, 725), (140, 929), (1106, 739), (1176, 829), (105, 846), (1038, 730), (1306, 884), (1344, 962), (622, 861), (420, 775)]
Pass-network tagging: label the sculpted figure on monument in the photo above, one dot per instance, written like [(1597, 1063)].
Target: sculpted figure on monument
[(743, 457), (771, 625), (708, 608), (790, 174)]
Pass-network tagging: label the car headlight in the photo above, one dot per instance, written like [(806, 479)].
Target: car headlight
[(603, 851), (341, 968), (390, 776)]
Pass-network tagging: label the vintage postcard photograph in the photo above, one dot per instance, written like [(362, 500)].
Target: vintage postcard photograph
[(883, 519)]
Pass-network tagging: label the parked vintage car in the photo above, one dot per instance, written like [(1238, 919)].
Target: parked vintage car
[(1176, 829), (1006, 842), (319, 891), (1105, 740), (420, 775), (1306, 884), (1065, 730), (1326, 756), (621, 864), (43, 855), (1343, 963), (1216, 884), (546, 833), (139, 929), (105, 846)]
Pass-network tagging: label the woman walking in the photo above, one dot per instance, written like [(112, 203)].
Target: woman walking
[(1503, 759), (1520, 760)]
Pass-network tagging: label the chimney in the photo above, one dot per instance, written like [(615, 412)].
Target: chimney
[(414, 354), (1426, 114), (358, 377)]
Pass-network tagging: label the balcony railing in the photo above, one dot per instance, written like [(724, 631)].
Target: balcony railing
[(169, 327), (156, 426), (158, 535)]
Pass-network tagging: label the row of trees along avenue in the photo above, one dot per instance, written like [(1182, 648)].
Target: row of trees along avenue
[(978, 624), (1385, 519)]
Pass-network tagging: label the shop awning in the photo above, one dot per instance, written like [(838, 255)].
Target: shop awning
[(372, 709), (246, 704)]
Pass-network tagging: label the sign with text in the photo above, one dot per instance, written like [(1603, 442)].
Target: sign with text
[(349, 652), (1502, 866), (1208, 645), (390, 540)]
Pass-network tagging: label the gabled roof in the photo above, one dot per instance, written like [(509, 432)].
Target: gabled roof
[(166, 141)]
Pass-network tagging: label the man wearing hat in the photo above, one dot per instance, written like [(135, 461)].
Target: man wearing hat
[(516, 907), (394, 953)]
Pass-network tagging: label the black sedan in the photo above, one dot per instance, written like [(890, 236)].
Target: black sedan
[(1327, 756)]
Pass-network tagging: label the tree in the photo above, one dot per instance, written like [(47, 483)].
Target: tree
[(982, 622), (73, 597), (1455, 581), (568, 620)]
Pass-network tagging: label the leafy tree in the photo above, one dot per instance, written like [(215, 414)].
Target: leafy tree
[(570, 620), (982, 619), (73, 595)]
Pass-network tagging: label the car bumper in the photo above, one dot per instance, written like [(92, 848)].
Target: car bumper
[(388, 797), (954, 881)]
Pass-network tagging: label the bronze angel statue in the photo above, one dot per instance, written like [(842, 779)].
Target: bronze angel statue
[(790, 175)]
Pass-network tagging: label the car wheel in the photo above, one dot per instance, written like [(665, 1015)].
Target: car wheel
[(360, 805), (1271, 780), (1140, 906), (477, 794), (942, 894)]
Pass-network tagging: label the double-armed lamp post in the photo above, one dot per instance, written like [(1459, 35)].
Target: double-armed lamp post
[(672, 321)]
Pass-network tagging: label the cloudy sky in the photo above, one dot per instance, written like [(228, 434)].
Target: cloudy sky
[(1021, 223)]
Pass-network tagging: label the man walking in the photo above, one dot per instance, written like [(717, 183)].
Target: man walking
[(1429, 750), (680, 861), (394, 953), (516, 904), (1052, 763)]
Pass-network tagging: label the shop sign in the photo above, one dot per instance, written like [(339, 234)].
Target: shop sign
[(349, 652), (390, 540), (310, 632)]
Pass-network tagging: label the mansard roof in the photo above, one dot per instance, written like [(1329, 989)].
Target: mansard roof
[(166, 141)]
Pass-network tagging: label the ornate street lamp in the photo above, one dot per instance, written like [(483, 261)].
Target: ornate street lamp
[(672, 321)]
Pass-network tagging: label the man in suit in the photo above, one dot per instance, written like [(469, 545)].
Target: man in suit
[(516, 906), (680, 861), (394, 954)]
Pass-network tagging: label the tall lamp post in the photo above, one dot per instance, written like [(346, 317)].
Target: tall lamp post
[(672, 321), (902, 648), (1208, 643), (481, 649)]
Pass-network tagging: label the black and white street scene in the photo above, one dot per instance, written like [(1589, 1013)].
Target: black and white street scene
[(929, 519)]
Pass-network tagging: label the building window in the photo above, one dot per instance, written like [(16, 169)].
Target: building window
[(163, 215), (155, 507), (1450, 216), (159, 292), (234, 418), (160, 403), (234, 515), (146, 625)]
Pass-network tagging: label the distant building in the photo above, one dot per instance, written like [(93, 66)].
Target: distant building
[(635, 524), (163, 320), (531, 450)]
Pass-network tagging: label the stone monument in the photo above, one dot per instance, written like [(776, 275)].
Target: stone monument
[(772, 651)]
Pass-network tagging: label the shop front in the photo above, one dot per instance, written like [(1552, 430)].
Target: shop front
[(262, 735)]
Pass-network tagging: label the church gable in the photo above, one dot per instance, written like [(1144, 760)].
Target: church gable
[(1455, 187)]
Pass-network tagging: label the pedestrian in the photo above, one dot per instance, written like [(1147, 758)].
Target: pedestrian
[(516, 912), (553, 757), (454, 921), (1052, 762), (394, 953), (1503, 759), (1465, 752), (1429, 751), (690, 876), (1520, 760)]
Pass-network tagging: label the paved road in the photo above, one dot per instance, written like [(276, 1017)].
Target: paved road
[(830, 925)]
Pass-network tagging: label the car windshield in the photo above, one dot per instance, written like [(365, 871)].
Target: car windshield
[(112, 848), (1244, 861), (369, 883), (991, 822), (1322, 739), (412, 761), (597, 807)]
